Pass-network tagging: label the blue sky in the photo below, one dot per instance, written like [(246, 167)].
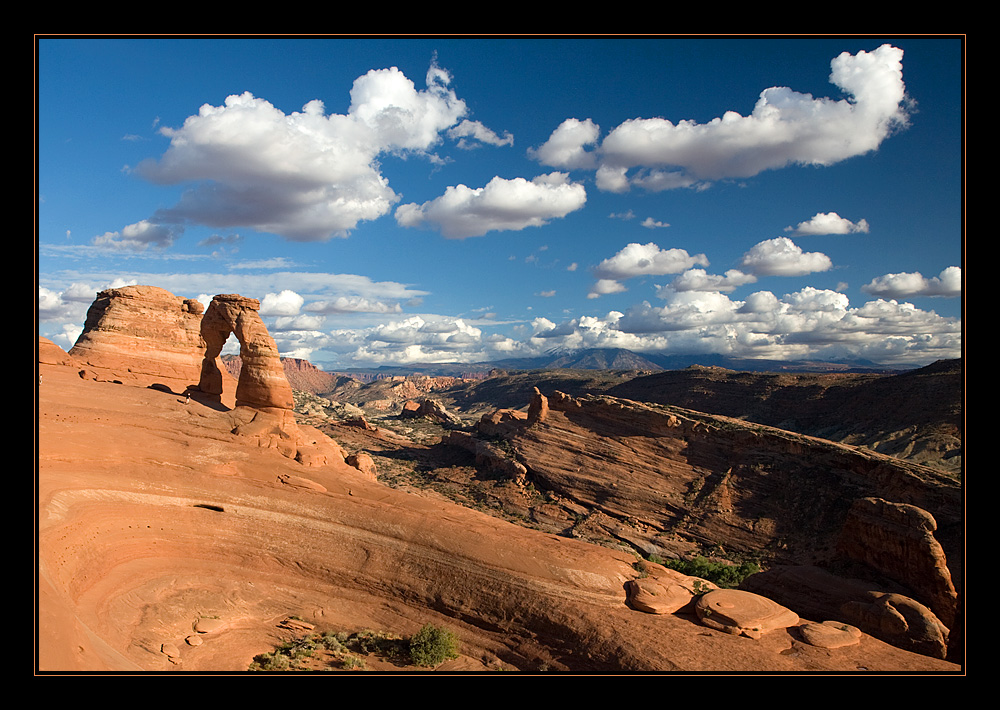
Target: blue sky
[(404, 200)]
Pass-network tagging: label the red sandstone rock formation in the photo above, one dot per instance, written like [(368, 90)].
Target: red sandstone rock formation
[(743, 613), (143, 334), (663, 477), (146, 335), (429, 409), (818, 594), (51, 354), (167, 543), (665, 591), (262, 382), (898, 540)]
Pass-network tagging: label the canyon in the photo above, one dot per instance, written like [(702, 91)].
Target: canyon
[(187, 508)]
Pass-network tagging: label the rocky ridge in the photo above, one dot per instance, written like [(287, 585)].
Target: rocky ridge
[(915, 415), (670, 482)]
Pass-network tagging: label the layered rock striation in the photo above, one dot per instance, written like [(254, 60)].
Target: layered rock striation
[(262, 383), (142, 334), (671, 481)]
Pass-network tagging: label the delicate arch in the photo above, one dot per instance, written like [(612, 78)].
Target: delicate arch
[(262, 383)]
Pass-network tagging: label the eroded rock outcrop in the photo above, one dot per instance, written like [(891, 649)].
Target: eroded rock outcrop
[(146, 335), (742, 613), (897, 539), (672, 473), (662, 478), (429, 409), (262, 382), (816, 593), (51, 354), (143, 334)]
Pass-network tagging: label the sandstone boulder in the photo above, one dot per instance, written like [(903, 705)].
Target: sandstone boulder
[(901, 621), (830, 634), (665, 591), (818, 594), (364, 463)]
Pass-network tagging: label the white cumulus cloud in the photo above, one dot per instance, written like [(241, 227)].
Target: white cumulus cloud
[(566, 148), (785, 128), (947, 283), (783, 257), (829, 223), (647, 260), (286, 303), (502, 205), (701, 280), (305, 175)]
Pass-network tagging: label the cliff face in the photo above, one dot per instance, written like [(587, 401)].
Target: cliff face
[(916, 415), (716, 479)]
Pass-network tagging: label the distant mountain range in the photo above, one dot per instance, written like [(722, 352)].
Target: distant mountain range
[(618, 359)]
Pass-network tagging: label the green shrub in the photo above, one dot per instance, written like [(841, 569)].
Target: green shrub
[(380, 643), (432, 646), (332, 642), (720, 573), (271, 662), (352, 663)]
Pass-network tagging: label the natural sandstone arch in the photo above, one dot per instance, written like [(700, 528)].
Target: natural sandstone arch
[(262, 383)]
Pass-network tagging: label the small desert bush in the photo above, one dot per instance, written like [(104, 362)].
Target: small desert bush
[(432, 646), (723, 574), (351, 662), (332, 641), (271, 662), (380, 643)]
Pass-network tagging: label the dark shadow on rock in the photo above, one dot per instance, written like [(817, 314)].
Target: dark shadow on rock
[(211, 401)]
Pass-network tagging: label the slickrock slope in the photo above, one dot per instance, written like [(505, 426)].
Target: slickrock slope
[(670, 481), (168, 543)]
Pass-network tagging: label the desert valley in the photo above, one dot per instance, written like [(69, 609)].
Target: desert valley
[(197, 511)]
